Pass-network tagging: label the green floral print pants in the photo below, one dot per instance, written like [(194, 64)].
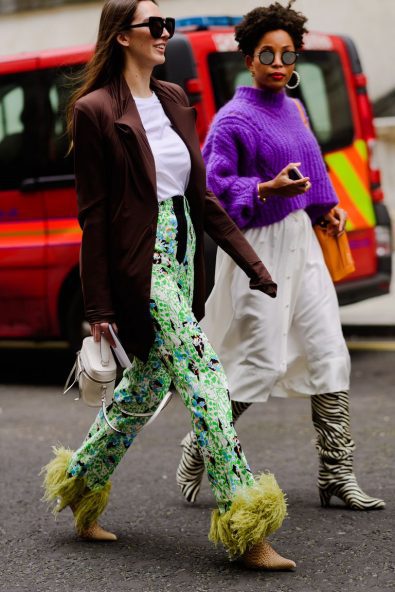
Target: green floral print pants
[(180, 355)]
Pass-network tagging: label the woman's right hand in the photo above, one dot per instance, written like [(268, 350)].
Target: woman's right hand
[(283, 186), (99, 329)]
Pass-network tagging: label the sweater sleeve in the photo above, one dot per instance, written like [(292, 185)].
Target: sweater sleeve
[(229, 137)]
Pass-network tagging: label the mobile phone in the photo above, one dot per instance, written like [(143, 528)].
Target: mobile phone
[(294, 174)]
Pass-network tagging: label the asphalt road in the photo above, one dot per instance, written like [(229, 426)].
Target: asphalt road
[(163, 541)]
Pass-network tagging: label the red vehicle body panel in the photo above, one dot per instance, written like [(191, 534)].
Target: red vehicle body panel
[(40, 236)]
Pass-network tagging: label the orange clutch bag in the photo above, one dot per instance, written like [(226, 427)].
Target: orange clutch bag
[(337, 253)]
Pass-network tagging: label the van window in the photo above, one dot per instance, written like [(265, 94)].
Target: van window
[(18, 129), (323, 91), (59, 85), (316, 99), (11, 111), (33, 140), (175, 69)]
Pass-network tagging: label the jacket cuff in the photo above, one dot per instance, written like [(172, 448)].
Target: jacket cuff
[(266, 286), (262, 280), (100, 316)]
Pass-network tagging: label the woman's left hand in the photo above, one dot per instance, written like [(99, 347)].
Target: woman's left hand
[(336, 219)]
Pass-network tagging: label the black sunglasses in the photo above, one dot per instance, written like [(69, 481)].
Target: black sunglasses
[(266, 57), (156, 25)]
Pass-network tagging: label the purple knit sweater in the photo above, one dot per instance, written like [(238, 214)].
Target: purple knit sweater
[(251, 139)]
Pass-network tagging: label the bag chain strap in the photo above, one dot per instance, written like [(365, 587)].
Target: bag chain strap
[(162, 405)]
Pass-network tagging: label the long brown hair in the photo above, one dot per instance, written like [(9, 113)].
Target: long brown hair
[(107, 61)]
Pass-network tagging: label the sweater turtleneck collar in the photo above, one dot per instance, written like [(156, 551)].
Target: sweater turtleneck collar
[(261, 97)]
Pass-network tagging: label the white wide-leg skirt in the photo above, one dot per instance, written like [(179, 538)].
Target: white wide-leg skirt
[(292, 345)]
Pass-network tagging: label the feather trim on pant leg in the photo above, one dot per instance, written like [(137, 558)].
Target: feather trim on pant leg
[(87, 504), (256, 512)]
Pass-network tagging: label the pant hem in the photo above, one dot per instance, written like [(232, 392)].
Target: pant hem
[(87, 504), (256, 512)]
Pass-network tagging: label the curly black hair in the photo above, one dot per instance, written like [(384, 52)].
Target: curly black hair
[(261, 20)]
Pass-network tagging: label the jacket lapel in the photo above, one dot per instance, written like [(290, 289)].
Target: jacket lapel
[(132, 133)]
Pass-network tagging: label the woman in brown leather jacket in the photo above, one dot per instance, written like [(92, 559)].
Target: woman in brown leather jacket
[(143, 206)]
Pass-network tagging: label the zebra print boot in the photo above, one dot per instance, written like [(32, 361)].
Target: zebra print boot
[(331, 419), (191, 468)]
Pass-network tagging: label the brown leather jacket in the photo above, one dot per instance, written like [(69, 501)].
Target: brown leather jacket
[(118, 210)]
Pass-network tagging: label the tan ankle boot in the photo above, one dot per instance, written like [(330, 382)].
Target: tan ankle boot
[(263, 556), (96, 533)]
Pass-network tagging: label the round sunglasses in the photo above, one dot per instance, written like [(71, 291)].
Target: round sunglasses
[(156, 25), (267, 56)]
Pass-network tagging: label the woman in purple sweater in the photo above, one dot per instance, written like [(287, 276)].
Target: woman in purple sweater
[(291, 346)]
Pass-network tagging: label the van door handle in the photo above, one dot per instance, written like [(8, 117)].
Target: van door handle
[(54, 182)]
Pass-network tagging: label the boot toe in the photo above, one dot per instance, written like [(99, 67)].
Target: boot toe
[(263, 556), (367, 503), (97, 533)]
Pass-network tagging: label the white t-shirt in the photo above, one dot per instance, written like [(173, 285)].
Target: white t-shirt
[(172, 159)]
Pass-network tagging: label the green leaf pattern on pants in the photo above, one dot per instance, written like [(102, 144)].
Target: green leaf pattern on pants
[(181, 355)]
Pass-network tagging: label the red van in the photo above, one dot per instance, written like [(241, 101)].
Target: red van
[(40, 295)]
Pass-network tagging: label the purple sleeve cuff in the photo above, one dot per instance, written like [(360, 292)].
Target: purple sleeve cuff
[(316, 211), (241, 200)]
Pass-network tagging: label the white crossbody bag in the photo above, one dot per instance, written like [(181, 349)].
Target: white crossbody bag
[(95, 373)]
